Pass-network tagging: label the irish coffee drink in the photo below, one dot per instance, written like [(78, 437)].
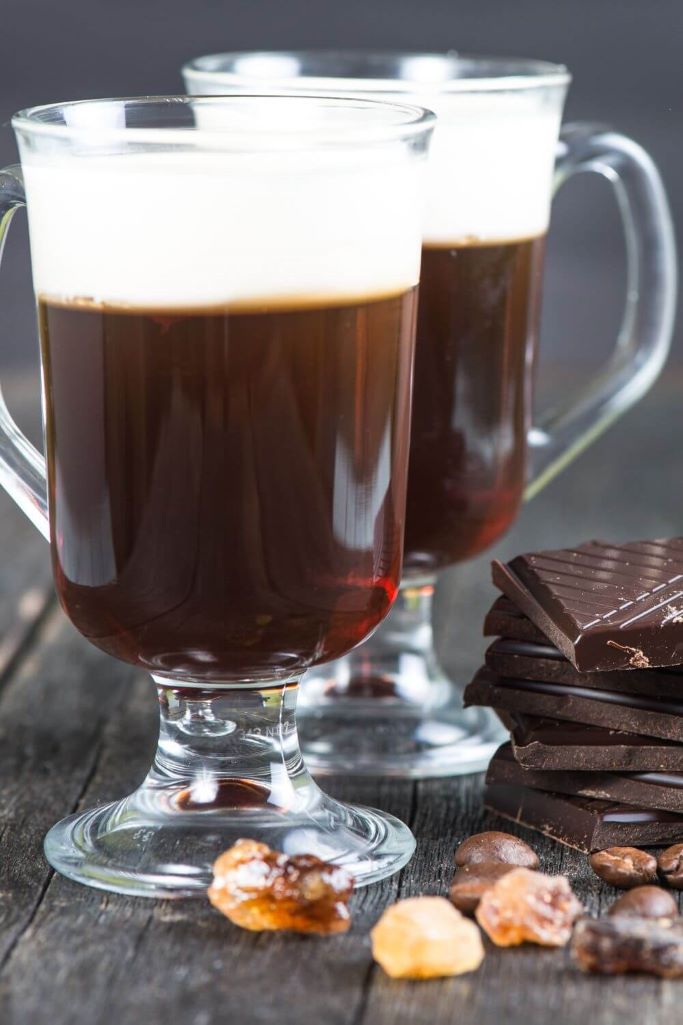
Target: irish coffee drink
[(226, 494), (477, 326), (227, 294), (495, 159)]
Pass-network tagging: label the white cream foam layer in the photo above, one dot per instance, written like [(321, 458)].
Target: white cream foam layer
[(197, 228), (490, 172), (491, 158)]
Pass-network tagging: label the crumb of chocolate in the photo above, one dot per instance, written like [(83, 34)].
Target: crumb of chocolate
[(638, 659), (674, 615), (615, 945)]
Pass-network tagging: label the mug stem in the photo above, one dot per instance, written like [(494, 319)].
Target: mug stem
[(227, 767), (227, 748), (415, 725)]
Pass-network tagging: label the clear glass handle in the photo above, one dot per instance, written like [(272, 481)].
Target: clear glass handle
[(643, 341), (22, 467)]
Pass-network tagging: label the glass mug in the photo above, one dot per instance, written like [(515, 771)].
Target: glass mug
[(226, 295), (474, 453)]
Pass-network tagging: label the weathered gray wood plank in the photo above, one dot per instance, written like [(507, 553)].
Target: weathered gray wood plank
[(52, 713)]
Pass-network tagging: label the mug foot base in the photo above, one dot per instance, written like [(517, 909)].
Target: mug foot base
[(142, 847)]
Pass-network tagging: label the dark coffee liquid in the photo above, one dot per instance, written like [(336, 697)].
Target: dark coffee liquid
[(227, 487), (477, 325)]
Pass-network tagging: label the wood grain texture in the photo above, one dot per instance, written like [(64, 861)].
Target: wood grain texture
[(50, 736)]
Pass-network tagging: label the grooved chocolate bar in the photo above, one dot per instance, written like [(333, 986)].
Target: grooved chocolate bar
[(614, 710), (583, 822), (554, 745), (605, 606), (543, 662), (663, 790)]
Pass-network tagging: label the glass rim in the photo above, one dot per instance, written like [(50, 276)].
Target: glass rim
[(503, 73), (403, 120)]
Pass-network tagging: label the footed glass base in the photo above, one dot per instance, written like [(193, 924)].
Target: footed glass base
[(388, 741), (228, 767), (387, 709), (129, 847)]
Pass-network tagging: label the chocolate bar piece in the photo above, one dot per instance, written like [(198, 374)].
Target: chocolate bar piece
[(632, 713), (505, 620), (584, 822), (528, 661), (605, 606), (554, 745), (662, 790)]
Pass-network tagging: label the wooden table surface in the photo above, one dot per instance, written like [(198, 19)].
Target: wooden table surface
[(77, 728)]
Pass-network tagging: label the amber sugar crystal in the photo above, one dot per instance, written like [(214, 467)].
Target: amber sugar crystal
[(526, 906), (426, 938), (258, 888)]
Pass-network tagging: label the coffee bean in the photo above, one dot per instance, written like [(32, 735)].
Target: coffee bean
[(670, 864), (624, 867), (496, 846), (645, 902), (470, 882)]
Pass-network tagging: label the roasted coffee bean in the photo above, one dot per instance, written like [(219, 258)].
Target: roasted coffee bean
[(612, 946), (470, 882), (495, 846), (624, 867), (670, 863), (645, 902)]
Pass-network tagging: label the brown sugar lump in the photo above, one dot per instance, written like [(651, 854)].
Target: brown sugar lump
[(426, 938), (526, 906), (261, 889)]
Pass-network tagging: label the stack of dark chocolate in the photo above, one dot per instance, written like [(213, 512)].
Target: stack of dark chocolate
[(587, 675)]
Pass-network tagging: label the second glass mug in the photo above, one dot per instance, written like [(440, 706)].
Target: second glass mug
[(226, 293), (493, 165)]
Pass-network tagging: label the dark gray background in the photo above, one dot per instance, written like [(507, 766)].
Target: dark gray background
[(626, 58)]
